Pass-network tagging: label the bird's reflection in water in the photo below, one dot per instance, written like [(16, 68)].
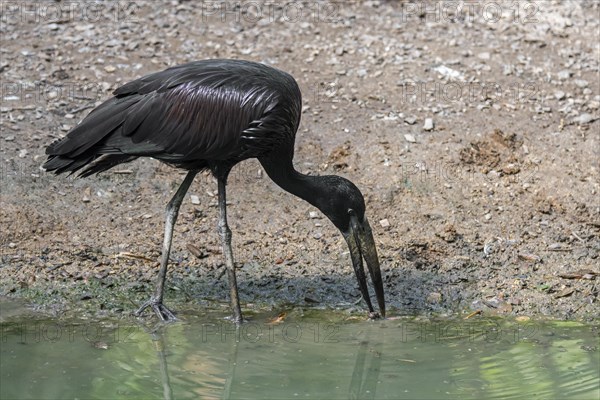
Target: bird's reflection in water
[(159, 342), (224, 379), (233, 361), (365, 375)]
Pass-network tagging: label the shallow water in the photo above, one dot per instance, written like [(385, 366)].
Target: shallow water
[(310, 354)]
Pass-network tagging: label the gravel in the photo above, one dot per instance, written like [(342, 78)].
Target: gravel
[(515, 104)]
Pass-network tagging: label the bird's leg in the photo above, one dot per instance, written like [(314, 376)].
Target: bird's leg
[(225, 234), (171, 217)]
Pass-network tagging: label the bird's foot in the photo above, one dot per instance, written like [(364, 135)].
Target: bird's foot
[(161, 311), (238, 321), (373, 315)]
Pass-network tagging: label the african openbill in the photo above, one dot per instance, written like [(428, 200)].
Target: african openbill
[(212, 114)]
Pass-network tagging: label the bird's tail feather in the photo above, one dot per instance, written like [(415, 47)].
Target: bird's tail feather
[(99, 124), (92, 164), (84, 146), (105, 162)]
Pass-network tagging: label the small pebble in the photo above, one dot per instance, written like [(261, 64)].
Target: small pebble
[(584, 118), (313, 215), (411, 120), (410, 138), (384, 223), (594, 105), (556, 247), (428, 125), (195, 199), (448, 72), (564, 75)]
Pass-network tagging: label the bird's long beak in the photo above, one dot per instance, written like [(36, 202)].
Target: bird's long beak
[(361, 244)]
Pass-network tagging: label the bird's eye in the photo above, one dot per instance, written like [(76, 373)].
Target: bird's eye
[(350, 211)]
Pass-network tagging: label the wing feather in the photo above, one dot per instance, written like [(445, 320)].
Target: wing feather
[(206, 110)]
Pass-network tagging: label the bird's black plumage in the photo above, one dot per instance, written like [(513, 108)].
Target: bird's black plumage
[(189, 115), (214, 114)]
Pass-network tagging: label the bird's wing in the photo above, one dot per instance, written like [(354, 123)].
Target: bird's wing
[(189, 112)]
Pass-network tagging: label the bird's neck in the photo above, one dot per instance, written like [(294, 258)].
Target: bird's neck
[(307, 187)]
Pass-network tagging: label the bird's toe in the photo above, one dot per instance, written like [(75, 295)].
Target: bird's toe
[(161, 311)]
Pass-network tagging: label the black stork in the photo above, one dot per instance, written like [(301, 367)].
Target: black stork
[(210, 115)]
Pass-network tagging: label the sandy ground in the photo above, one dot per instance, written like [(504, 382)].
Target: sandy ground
[(471, 129)]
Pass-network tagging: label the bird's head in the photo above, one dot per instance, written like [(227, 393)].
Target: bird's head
[(345, 207)]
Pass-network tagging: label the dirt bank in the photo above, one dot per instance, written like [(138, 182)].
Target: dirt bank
[(472, 134)]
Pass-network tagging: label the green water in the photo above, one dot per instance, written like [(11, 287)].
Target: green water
[(311, 354)]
